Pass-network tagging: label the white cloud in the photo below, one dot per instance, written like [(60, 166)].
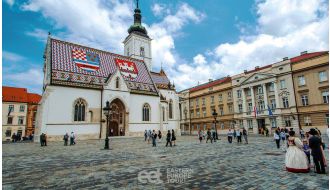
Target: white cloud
[(38, 33), (199, 59), (13, 57), (10, 2), (31, 78), (159, 9), (285, 28)]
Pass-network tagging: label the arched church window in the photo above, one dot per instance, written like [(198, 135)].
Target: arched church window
[(142, 51), (170, 109), (117, 82), (80, 110), (146, 112)]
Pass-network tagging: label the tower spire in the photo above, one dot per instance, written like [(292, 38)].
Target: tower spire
[(137, 4), (137, 27)]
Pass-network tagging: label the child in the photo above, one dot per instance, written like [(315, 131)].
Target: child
[(307, 150), (282, 134)]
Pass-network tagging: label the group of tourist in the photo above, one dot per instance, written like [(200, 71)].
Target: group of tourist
[(72, 139), (237, 134), (297, 158), (153, 135), (209, 135), (18, 137)]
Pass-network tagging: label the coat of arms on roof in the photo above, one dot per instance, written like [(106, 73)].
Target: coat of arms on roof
[(127, 68), (85, 60)]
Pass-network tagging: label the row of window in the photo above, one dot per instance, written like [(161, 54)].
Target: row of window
[(11, 108), (322, 77), (8, 132), (20, 120), (325, 98), (142, 53)]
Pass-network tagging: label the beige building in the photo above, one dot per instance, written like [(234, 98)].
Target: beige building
[(311, 85), (264, 98), (204, 99), (184, 111)]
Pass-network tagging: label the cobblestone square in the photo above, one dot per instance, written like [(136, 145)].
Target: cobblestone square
[(189, 165)]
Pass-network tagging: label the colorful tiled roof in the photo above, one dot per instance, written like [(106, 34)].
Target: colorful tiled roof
[(14, 94), (66, 72), (210, 84), (307, 56)]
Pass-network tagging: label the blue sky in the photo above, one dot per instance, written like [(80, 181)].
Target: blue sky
[(195, 40)]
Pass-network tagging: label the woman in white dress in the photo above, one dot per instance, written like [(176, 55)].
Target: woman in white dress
[(295, 158)]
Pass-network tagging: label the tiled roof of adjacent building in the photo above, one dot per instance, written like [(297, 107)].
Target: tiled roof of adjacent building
[(211, 83), (306, 55), (66, 72), (160, 79), (14, 94)]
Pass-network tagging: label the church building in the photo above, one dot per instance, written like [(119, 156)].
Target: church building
[(79, 81)]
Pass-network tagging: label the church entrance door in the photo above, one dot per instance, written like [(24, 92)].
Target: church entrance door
[(117, 118)]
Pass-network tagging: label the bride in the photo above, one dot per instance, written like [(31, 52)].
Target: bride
[(295, 158)]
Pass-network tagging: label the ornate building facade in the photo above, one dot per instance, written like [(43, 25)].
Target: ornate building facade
[(79, 80), (292, 93)]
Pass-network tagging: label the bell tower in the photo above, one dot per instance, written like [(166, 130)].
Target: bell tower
[(138, 44)]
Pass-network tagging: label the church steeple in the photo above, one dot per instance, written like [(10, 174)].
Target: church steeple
[(137, 26)]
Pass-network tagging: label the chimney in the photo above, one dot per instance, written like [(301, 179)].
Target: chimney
[(210, 80), (245, 71), (257, 67), (285, 58), (304, 52)]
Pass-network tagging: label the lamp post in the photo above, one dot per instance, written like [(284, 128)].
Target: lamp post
[(107, 112), (185, 119), (215, 114)]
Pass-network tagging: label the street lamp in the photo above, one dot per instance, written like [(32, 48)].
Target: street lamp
[(107, 112), (215, 114)]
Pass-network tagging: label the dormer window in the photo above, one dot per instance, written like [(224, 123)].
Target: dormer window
[(142, 51), (117, 82)]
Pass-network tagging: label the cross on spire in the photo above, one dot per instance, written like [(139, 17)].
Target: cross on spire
[(137, 4)]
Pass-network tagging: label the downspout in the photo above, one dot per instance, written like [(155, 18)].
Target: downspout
[(101, 113), (189, 113), (295, 97)]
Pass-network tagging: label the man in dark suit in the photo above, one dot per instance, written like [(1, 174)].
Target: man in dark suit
[(315, 144)]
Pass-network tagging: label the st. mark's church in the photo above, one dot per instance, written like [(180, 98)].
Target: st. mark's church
[(79, 80)]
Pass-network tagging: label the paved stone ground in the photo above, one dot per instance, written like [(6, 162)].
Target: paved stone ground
[(257, 165)]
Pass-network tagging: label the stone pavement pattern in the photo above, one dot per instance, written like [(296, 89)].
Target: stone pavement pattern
[(257, 165)]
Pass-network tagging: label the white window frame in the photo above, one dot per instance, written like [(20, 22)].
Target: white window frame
[(285, 102), (21, 108), (307, 120), (323, 76), (301, 80), (271, 87), (282, 84), (239, 93), (304, 99), (325, 97), (273, 103)]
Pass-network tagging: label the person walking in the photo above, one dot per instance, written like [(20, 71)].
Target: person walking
[(149, 136), (173, 137), (13, 137), (245, 134), (230, 136), (209, 136), (153, 137), (302, 134), (72, 137), (42, 139), (145, 135), (239, 136), (214, 136), (234, 133), (200, 136), (159, 136), (168, 138), (267, 132), (282, 135), (277, 138), (66, 139), (315, 144)]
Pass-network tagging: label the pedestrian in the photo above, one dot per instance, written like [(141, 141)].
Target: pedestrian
[(295, 158), (307, 150), (277, 138), (214, 136), (145, 135), (160, 136), (149, 136), (230, 136), (200, 136), (315, 144), (209, 136), (72, 137), (13, 137), (42, 139), (239, 136), (267, 132), (204, 134), (45, 139), (173, 137), (302, 134), (153, 137), (282, 135), (66, 139), (245, 134), (234, 133), (168, 138)]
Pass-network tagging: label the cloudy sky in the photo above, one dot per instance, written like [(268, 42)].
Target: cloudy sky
[(195, 40)]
